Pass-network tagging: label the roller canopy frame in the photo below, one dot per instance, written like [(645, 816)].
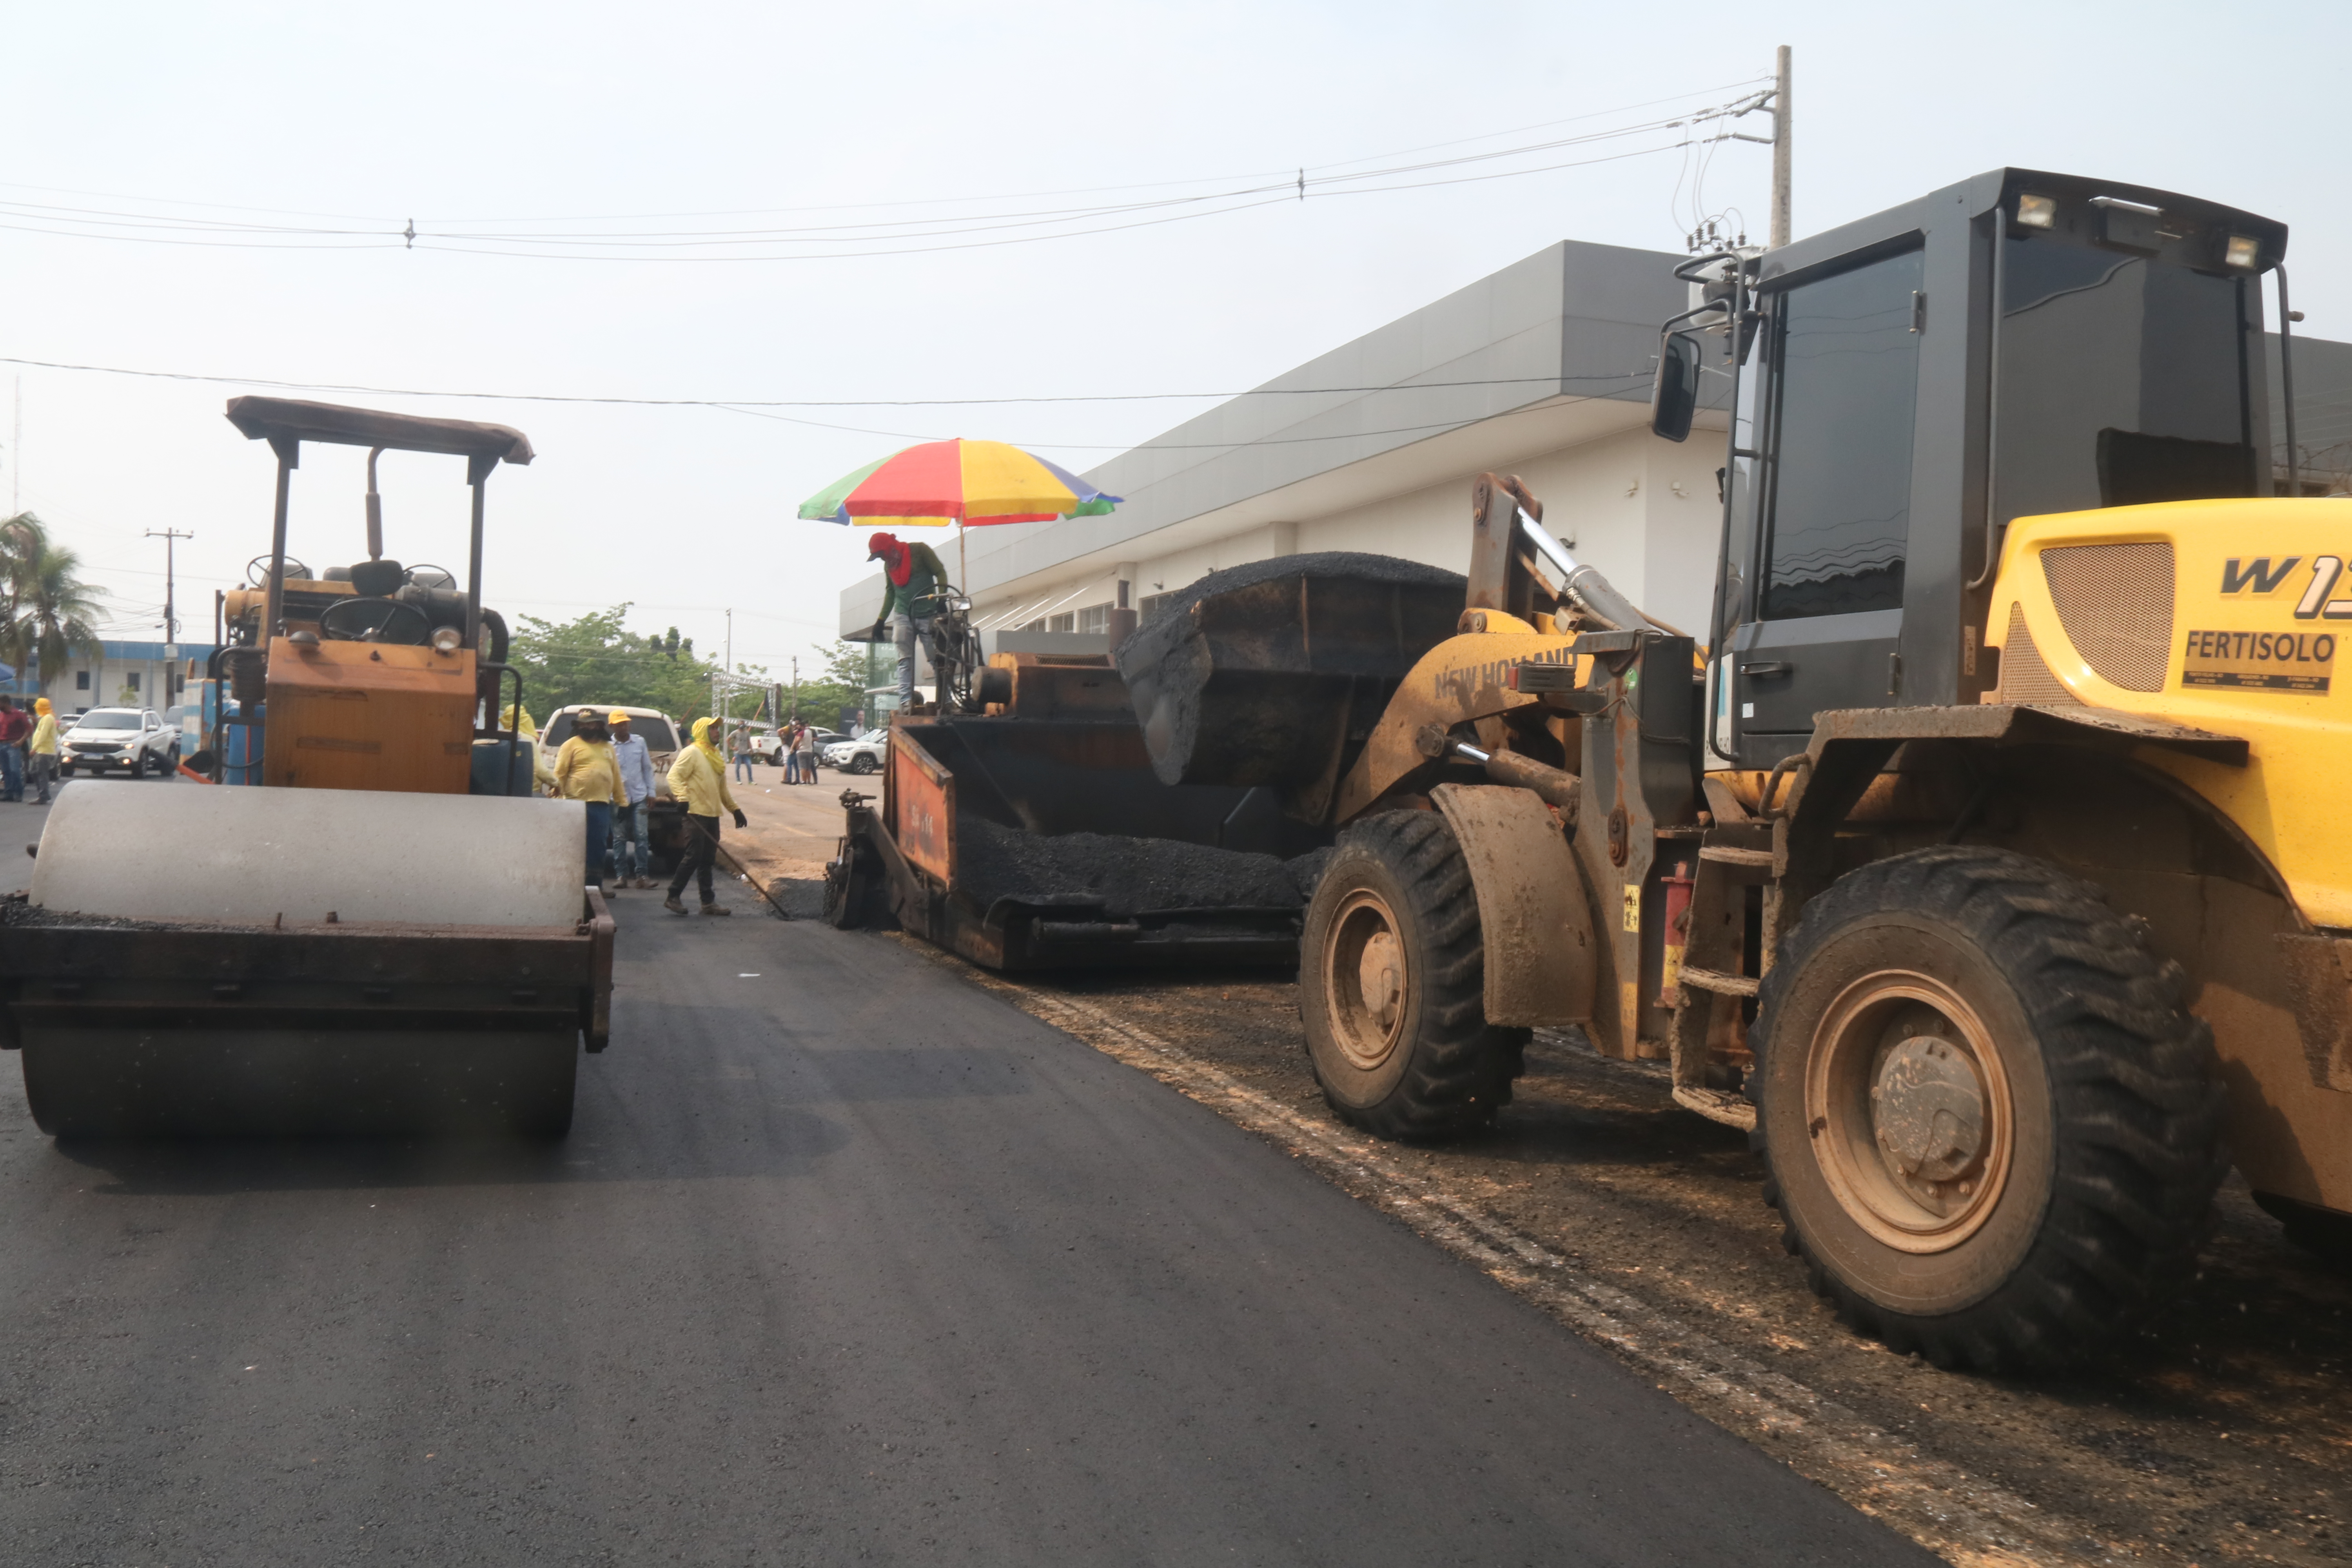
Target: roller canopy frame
[(288, 419), (286, 422)]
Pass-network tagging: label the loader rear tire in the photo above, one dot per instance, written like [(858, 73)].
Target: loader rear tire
[(1393, 986), (1993, 1132)]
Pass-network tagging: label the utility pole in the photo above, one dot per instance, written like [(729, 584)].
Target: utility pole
[(1780, 151), (171, 538), (16, 455), (796, 688)]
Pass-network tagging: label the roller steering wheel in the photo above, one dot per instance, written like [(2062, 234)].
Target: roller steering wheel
[(257, 571), (375, 620)]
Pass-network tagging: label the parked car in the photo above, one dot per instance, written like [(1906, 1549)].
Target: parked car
[(865, 754), (666, 817), (132, 739), (823, 737)]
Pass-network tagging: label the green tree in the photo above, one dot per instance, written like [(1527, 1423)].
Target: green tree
[(48, 613), (596, 659)]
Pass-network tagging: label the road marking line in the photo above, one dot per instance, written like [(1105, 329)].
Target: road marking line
[(1969, 1521)]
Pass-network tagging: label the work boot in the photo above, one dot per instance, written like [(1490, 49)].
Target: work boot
[(643, 882), (717, 909), (673, 906)]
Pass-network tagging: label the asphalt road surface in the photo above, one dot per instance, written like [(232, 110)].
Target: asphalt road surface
[(845, 1260)]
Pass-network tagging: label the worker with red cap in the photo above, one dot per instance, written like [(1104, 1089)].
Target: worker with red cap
[(915, 577)]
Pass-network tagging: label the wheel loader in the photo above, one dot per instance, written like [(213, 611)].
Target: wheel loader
[(1978, 857), (355, 918)]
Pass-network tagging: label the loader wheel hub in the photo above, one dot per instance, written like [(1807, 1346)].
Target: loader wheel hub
[(1381, 974), (1929, 1110), (1366, 980), (1908, 1102)]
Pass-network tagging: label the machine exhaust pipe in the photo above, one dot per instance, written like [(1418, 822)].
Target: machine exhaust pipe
[(374, 509)]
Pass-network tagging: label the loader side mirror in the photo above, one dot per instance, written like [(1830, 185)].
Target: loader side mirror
[(1674, 395)]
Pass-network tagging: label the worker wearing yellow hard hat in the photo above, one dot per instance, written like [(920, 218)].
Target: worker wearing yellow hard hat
[(585, 771)]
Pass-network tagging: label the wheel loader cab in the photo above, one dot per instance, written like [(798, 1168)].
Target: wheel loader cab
[(379, 675), (1891, 421)]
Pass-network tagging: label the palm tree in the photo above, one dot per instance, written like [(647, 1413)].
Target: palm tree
[(48, 613)]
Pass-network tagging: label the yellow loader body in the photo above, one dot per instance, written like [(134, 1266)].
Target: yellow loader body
[(2232, 617)]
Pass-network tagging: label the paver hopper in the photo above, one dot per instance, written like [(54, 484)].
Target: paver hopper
[(356, 942), (1037, 836)]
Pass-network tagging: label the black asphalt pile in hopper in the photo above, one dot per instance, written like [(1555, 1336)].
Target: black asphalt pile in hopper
[(1274, 672), (1124, 876)]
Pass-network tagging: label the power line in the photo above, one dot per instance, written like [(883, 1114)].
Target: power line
[(1283, 173), (1629, 379), (885, 237), (737, 404)]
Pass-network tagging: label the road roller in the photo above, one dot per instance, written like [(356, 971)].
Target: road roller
[(357, 919)]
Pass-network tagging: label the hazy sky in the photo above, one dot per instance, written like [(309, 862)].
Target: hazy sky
[(550, 122)]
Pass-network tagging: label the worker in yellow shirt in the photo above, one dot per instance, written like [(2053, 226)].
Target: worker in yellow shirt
[(542, 781), (586, 771), (42, 748), (698, 777)]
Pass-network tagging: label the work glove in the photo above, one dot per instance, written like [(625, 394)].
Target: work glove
[(741, 820)]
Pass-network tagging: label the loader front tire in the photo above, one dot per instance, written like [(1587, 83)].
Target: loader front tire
[(1992, 1130), (1393, 986)]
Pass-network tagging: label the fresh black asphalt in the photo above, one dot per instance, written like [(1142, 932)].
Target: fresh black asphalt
[(845, 1262)]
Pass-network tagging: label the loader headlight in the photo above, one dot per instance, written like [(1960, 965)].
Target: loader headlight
[(2244, 252), (446, 639), (2037, 212)]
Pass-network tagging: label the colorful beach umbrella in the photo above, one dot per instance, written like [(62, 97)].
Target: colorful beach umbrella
[(975, 483)]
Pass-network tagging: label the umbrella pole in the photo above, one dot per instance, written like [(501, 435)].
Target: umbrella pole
[(963, 574)]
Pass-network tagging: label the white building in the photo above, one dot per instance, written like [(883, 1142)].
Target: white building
[(124, 675)]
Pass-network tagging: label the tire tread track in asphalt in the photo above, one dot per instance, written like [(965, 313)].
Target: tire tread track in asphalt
[(1969, 1521)]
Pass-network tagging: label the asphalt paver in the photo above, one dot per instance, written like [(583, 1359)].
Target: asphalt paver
[(844, 1260)]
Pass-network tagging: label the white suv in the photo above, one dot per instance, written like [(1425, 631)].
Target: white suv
[(131, 739), (866, 754)]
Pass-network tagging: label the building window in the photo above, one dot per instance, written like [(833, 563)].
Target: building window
[(1068, 621), (1036, 625), (1094, 618), (81, 680), (131, 682)]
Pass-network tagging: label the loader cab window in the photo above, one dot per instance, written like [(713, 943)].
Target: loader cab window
[(2123, 380), (1844, 369)]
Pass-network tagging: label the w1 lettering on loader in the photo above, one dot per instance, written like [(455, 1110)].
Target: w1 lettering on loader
[(2259, 661), (2265, 574)]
